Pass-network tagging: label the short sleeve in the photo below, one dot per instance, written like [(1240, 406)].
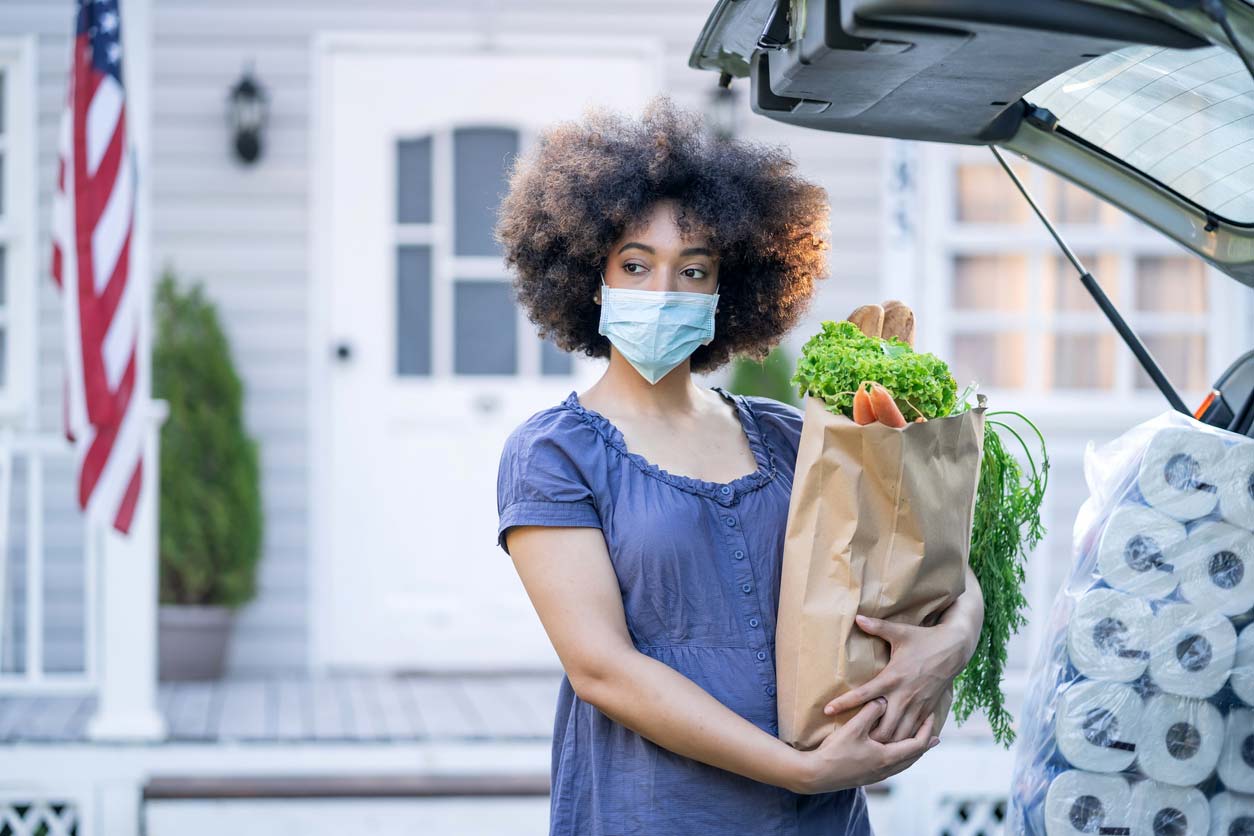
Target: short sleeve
[(783, 421), (539, 481)]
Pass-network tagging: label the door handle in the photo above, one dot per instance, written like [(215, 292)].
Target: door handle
[(486, 403), (343, 351)]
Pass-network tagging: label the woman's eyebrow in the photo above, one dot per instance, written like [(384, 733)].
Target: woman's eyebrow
[(688, 251)]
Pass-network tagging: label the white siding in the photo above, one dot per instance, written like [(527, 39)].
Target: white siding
[(244, 231)]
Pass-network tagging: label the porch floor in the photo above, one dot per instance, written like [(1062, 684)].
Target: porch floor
[(338, 708)]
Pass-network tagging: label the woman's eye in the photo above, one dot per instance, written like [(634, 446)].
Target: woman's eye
[(632, 264), (699, 270)]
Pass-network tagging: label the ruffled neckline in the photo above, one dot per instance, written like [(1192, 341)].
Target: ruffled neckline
[(727, 492)]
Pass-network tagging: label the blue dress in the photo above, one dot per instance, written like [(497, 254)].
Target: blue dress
[(698, 564)]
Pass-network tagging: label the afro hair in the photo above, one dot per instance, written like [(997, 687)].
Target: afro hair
[(585, 184)]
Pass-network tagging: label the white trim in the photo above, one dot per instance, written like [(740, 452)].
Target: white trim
[(326, 45), (19, 232)]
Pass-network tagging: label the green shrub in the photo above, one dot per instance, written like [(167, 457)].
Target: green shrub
[(770, 378), (210, 521)]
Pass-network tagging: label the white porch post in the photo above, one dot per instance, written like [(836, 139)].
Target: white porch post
[(126, 565)]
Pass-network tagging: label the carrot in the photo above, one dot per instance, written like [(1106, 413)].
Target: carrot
[(862, 411), (886, 411)]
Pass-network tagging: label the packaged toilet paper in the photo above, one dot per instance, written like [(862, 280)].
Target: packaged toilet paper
[(1236, 761), (1137, 551), (1179, 471), (1108, 637), (1079, 803), (1242, 678), (1231, 814), (1139, 712), (1235, 476), (1191, 650), (1098, 725), (1215, 567), (1160, 809), (1180, 740)]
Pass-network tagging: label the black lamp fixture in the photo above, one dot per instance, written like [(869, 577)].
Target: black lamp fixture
[(248, 112)]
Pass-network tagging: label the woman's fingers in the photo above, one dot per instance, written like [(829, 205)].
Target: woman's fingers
[(883, 731), (911, 746), (865, 719), (851, 699)]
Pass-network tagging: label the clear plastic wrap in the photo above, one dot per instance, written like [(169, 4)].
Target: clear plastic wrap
[(1139, 716)]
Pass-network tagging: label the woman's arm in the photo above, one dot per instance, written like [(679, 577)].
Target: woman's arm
[(569, 578), (922, 662)]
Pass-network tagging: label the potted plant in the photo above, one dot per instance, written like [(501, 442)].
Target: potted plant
[(210, 520)]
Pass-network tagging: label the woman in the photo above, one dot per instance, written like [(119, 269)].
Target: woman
[(646, 516)]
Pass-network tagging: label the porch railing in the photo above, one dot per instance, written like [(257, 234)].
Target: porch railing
[(119, 591)]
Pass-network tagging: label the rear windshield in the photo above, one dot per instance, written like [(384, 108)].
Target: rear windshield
[(1184, 117)]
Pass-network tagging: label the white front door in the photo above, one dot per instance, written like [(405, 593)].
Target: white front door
[(429, 362)]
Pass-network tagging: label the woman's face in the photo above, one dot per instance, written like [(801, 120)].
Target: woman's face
[(656, 257)]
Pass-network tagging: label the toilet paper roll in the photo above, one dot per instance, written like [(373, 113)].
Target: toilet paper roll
[(1180, 740), (1235, 477), (1108, 635), (1232, 815), (1079, 803), (1236, 761), (1160, 809), (1178, 472), (1243, 666), (1191, 650), (1137, 550), (1097, 724), (1215, 565)]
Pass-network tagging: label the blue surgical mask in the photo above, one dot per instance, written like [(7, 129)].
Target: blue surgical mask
[(656, 329)]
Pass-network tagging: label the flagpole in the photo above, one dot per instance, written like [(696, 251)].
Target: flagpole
[(126, 632)]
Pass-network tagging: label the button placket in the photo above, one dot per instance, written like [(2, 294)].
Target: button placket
[(748, 601)]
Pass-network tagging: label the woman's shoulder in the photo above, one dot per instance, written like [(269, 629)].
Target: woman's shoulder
[(778, 418), (555, 428)]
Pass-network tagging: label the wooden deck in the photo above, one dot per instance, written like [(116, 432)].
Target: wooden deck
[(343, 709)]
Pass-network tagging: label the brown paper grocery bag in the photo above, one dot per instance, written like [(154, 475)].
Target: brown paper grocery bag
[(879, 522)]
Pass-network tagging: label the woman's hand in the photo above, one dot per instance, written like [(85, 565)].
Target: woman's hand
[(922, 663), (849, 757)]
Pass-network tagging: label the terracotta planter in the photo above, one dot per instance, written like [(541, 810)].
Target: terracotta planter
[(192, 641)]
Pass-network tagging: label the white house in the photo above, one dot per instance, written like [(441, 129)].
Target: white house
[(384, 363)]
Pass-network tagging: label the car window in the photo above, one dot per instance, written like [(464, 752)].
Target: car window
[(1184, 117)]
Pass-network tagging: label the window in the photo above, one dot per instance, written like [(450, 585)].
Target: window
[(1008, 309), (18, 262), (455, 310)]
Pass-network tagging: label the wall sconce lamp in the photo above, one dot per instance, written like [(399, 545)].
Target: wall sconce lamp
[(721, 109), (248, 112)]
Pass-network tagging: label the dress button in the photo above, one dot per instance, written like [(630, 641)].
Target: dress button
[(724, 490), (761, 654), (745, 587), (739, 555), (753, 622), (770, 689), (731, 521)]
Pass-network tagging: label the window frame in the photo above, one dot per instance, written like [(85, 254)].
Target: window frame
[(941, 236), (19, 227), (448, 268)]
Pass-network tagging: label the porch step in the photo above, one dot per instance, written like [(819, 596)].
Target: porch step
[(183, 788)]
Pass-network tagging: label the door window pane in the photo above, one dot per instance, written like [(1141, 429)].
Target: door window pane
[(485, 328), (553, 360), (990, 283), (413, 181), (481, 158), (1080, 361), (1182, 358), (993, 359), (1170, 284), (413, 310)]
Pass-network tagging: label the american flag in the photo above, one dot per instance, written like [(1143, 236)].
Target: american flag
[(93, 214)]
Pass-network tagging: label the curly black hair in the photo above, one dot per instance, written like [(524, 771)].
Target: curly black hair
[(586, 183)]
